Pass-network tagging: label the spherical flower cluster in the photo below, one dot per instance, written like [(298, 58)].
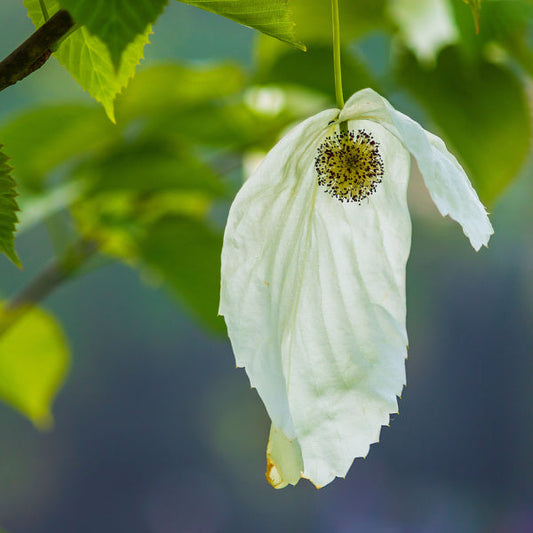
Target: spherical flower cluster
[(349, 166)]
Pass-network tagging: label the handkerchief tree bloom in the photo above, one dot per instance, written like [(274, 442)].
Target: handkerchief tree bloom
[(313, 278)]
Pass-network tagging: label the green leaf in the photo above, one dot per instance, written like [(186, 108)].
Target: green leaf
[(506, 24), (165, 236), (42, 139), (272, 17), (116, 22), (282, 65), (425, 27), (34, 359), (151, 165), (147, 204), (87, 59), (234, 126), (8, 210), (185, 254), (134, 184), (475, 5), (118, 220), (482, 111), (89, 62), (357, 17), (178, 86), (199, 105)]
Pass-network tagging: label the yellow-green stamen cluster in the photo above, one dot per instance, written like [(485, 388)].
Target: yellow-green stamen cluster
[(349, 165)]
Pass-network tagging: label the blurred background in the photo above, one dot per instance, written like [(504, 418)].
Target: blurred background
[(155, 431)]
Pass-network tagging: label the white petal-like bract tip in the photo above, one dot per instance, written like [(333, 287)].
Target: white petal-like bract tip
[(445, 179)]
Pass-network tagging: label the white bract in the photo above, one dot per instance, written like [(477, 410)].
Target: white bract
[(313, 278)]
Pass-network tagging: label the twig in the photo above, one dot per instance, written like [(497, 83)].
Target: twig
[(35, 51), (50, 277)]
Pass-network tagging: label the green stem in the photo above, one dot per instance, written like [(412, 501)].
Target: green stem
[(337, 53), (44, 10), (55, 47)]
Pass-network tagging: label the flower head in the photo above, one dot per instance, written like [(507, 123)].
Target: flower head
[(313, 278), (349, 166)]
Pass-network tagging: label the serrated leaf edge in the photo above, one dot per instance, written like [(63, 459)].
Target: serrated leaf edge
[(9, 197)]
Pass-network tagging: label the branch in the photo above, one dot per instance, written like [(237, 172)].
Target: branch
[(52, 275), (35, 51)]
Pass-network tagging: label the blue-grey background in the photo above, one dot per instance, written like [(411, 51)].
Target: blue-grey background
[(157, 432)]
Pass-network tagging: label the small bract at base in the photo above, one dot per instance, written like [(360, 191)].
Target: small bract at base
[(284, 460)]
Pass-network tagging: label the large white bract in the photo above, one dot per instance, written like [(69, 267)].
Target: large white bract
[(313, 287)]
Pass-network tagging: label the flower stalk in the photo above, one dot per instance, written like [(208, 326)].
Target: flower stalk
[(339, 97)]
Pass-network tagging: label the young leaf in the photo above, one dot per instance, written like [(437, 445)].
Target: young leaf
[(272, 17), (33, 366), (89, 62), (116, 22), (8, 210)]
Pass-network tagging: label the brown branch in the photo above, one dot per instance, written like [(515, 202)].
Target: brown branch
[(50, 277), (34, 52)]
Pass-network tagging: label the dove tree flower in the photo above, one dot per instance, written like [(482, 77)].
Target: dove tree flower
[(313, 275), (313, 278)]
